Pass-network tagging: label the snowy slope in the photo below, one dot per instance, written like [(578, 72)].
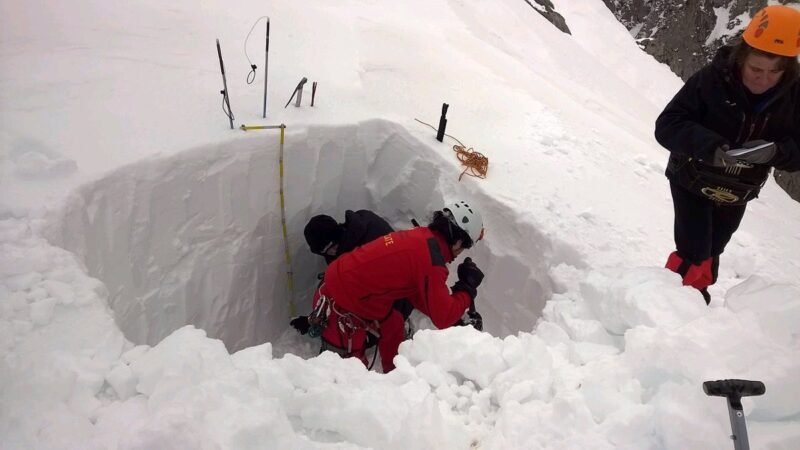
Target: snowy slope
[(130, 209)]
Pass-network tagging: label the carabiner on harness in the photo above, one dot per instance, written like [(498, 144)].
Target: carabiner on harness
[(318, 319)]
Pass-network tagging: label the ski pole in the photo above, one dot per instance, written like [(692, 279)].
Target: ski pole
[(734, 390), (266, 70), (224, 92)]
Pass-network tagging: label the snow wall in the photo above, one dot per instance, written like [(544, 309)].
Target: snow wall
[(196, 238)]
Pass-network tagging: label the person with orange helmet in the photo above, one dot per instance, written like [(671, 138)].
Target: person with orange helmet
[(728, 126)]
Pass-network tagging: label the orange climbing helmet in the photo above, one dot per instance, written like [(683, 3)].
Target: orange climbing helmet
[(775, 29)]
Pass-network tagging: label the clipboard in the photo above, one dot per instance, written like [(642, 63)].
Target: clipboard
[(736, 152)]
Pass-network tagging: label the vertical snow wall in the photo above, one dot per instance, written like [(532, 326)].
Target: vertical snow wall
[(196, 238)]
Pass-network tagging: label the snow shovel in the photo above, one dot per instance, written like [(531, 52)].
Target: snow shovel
[(734, 390)]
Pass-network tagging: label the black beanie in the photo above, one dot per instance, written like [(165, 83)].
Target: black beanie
[(320, 231)]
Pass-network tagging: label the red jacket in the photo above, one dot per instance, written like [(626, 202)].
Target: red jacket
[(405, 264)]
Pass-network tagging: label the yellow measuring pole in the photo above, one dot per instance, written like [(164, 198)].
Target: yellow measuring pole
[(287, 255), (260, 127)]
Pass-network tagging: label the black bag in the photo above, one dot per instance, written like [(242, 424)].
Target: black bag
[(718, 188)]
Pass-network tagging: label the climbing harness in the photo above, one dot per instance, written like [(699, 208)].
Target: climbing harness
[(477, 164), (347, 324), (318, 319)]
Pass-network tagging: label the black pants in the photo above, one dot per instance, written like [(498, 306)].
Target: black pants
[(702, 227)]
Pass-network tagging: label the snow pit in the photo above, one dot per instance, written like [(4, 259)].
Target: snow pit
[(196, 238)]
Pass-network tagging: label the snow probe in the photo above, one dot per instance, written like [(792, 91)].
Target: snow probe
[(224, 91), (297, 91), (734, 390), (287, 256)]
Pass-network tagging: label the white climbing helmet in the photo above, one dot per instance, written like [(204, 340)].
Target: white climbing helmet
[(467, 218)]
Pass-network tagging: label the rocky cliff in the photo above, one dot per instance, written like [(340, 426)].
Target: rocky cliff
[(685, 34), (546, 9)]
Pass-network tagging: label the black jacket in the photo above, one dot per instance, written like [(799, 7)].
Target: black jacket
[(713, 108), (360, 227)]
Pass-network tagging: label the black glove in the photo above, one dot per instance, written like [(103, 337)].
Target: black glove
[(765, 153), (300, 323), (469, 273), (473, 319), (469, 278), (722, 159)]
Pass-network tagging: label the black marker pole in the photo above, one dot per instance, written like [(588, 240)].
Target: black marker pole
[(313, 92), (442, 123)]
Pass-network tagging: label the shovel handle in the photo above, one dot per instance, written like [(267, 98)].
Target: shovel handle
[(734, 388)]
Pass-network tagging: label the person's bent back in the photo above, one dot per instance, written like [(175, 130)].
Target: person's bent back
[(360, 287), (410, 264)]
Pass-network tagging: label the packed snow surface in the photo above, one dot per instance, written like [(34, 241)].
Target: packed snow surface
[(144, 300)]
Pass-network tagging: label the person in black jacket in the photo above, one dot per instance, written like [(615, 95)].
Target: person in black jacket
[(330, 239), (748, 97)]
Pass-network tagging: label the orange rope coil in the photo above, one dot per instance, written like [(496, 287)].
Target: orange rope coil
[(477, 164)]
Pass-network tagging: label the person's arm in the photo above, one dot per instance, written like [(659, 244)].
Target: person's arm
[(788, 158), (377, 225), (678, 128), (362, 227), (444, 308)]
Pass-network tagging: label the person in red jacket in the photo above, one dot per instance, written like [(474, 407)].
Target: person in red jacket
[(330, 239), (360, 287)]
